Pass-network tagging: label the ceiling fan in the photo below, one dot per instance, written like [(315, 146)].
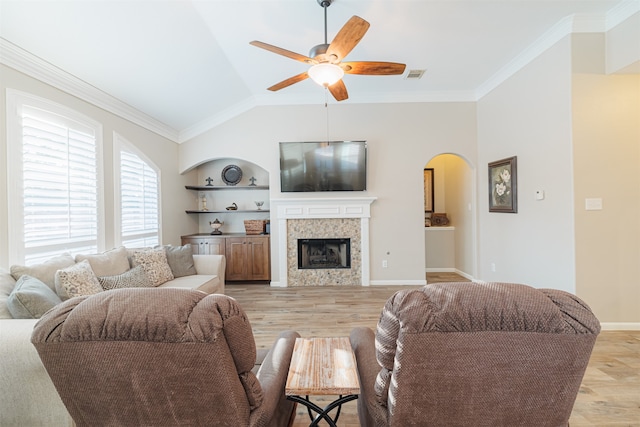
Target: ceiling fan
[(327, 68)]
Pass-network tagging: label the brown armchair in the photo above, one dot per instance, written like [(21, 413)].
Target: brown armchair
[(160, 357), (470, 354)]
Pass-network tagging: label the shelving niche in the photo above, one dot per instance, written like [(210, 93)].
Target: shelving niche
[(219, 195)]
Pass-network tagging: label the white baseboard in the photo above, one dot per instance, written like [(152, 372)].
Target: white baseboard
[(620, 326), (398, 282), (277, 285)]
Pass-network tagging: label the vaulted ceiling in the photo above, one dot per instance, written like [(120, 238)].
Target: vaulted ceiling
[(188, 65)]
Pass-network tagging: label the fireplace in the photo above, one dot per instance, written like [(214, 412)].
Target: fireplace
[(341, 218), (324, 253)]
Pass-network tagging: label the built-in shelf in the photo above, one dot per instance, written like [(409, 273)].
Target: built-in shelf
[(227, 211), (225, 187)]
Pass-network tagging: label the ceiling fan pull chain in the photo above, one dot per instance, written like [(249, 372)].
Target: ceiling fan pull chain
[(326, 108)]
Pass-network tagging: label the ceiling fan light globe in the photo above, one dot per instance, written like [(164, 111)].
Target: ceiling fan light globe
[(325, 74)]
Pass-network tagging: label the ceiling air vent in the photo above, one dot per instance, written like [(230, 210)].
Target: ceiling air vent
[(415, 74)]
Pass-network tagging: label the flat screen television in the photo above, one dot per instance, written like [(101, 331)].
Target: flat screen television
[(323, 166)]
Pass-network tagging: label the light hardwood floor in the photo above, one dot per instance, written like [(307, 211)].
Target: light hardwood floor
[(610, 392)]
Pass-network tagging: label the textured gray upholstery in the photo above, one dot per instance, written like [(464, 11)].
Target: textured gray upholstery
[(156, 357), (469, 354)]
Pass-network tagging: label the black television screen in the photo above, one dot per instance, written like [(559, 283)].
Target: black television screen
[(323, 166)]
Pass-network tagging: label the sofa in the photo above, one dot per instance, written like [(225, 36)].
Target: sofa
[(28, 395)]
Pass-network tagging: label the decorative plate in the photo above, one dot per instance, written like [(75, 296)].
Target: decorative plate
[(231, 175)]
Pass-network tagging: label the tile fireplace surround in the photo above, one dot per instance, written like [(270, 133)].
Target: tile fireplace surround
[(323, 218)]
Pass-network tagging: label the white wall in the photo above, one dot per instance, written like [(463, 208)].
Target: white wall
[(606, 130), (158, 149), (529, 116), (401, 139)]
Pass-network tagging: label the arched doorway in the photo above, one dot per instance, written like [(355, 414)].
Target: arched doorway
[(452, 248)]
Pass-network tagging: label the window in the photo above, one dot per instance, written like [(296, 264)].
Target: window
[(139, 197), (55, 196)]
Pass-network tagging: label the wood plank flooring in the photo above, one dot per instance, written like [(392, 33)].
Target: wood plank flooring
[(609, 395)]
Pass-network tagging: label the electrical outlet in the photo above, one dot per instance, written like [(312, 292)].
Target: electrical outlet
[(493, 267), (385, 264)]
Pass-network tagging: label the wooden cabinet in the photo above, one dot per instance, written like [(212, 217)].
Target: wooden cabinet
[(205, 245), (248, 258)]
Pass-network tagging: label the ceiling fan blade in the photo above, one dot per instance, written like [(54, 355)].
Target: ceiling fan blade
[(373, 68), (283, 52), (288, 82), (347, 38), (339, 91)]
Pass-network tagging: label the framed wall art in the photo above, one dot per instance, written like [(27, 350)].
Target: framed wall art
[(428, 189), (503, 185)]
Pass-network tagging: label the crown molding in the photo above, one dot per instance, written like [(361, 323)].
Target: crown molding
[(216, 120), (578, 23), (621, 13), (19, 59), (563, 28)]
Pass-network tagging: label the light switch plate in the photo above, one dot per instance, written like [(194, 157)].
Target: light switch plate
[(593, 204)]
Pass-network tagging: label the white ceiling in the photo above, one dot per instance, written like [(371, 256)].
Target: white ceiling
[(189, 65)]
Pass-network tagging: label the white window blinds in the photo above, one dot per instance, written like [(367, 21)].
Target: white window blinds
[(139, 201), (60, 185)]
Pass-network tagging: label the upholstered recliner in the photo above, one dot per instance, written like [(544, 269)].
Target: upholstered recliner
[(162, 357), (469, 354)]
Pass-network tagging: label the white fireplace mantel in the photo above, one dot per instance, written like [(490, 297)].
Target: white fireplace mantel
[(316, 208)]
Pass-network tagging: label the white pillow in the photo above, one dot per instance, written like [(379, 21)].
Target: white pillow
[(45, 271), (109, 263), (77, 280)]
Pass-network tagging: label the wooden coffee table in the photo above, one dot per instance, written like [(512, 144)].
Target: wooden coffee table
[(322, 366)]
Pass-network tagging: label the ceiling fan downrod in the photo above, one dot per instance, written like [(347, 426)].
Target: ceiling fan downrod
[(325, 4), (322, 48)]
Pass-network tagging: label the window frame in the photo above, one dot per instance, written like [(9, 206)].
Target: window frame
[(15, 102), (120, 143)]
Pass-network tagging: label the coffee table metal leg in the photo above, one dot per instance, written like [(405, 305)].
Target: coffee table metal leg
[(323, 413)]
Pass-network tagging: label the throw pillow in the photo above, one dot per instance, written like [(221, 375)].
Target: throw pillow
[(7, 283), (180, 260), (31, 298), (154, 263), (134, 278), (130, 255), (46, 271), (108, 263), (77, 280)]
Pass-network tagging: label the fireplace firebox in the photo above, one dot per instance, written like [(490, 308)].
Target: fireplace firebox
[(324, 253)]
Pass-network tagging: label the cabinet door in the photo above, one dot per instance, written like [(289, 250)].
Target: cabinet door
[(214, 245), (258, 263), (236, 258), (197, 244), (202, 245)]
